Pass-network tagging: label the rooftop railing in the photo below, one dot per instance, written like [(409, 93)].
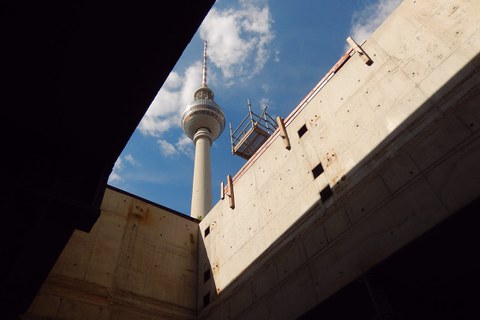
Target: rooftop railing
[(251, 133)]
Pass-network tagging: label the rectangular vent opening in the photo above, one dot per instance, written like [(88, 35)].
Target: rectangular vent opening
[(206, 275), (207, 231), (206, 299), (302, 130), (318, 170), (326, 193)]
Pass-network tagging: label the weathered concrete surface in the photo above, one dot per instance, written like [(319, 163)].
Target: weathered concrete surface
[(399, 145), (138, 262)]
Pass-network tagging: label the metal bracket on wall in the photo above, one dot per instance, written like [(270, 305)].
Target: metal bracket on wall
[(355, 46), (230, 192), (283, 133), (222, 190)]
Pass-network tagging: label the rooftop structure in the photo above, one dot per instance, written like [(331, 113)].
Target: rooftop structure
[(251, 133)]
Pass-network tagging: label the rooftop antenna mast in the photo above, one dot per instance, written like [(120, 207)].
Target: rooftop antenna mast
[(204, 68)]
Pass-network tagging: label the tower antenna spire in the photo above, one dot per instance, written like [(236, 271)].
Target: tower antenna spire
[(204, 68)]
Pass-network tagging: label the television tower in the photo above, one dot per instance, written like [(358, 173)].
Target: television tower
[(203, 121)]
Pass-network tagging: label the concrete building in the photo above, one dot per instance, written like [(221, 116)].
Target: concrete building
[(139, 261), (371, 213)]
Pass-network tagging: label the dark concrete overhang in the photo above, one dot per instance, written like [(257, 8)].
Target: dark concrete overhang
[(77, 79)]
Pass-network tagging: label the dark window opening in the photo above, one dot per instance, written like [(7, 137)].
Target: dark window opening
[(302, 130), (206, 276), (207, 231), (206, 299), (326, 193), (318, 170)]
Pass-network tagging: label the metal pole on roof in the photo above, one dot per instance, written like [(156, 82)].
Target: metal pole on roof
[(231, 137), (264, 113), (250, 111)]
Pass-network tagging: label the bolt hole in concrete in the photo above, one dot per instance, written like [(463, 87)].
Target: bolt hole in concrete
[(326, 193), (206, 275), (207, 231), (302, 130), (318, 170)]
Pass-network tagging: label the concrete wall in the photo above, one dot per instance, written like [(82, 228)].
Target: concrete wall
[(138, 262), (399, 145)]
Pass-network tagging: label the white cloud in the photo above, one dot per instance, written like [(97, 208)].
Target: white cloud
[(165, 111), (368, 19), (238, 39), (183, 146), (277, 56), (114, 177), (264, 103), (167, 148), (119, 166), (115, 174), (131, 160), (173, 81)]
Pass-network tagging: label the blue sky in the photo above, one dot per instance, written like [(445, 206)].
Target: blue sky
[(271, 52)]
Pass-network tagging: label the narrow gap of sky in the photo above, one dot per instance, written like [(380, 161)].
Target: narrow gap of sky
[(271, 52)]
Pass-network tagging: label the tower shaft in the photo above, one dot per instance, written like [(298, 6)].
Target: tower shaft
[(202, 181)]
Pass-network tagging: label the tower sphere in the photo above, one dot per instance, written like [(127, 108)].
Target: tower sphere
[(203, 112)]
